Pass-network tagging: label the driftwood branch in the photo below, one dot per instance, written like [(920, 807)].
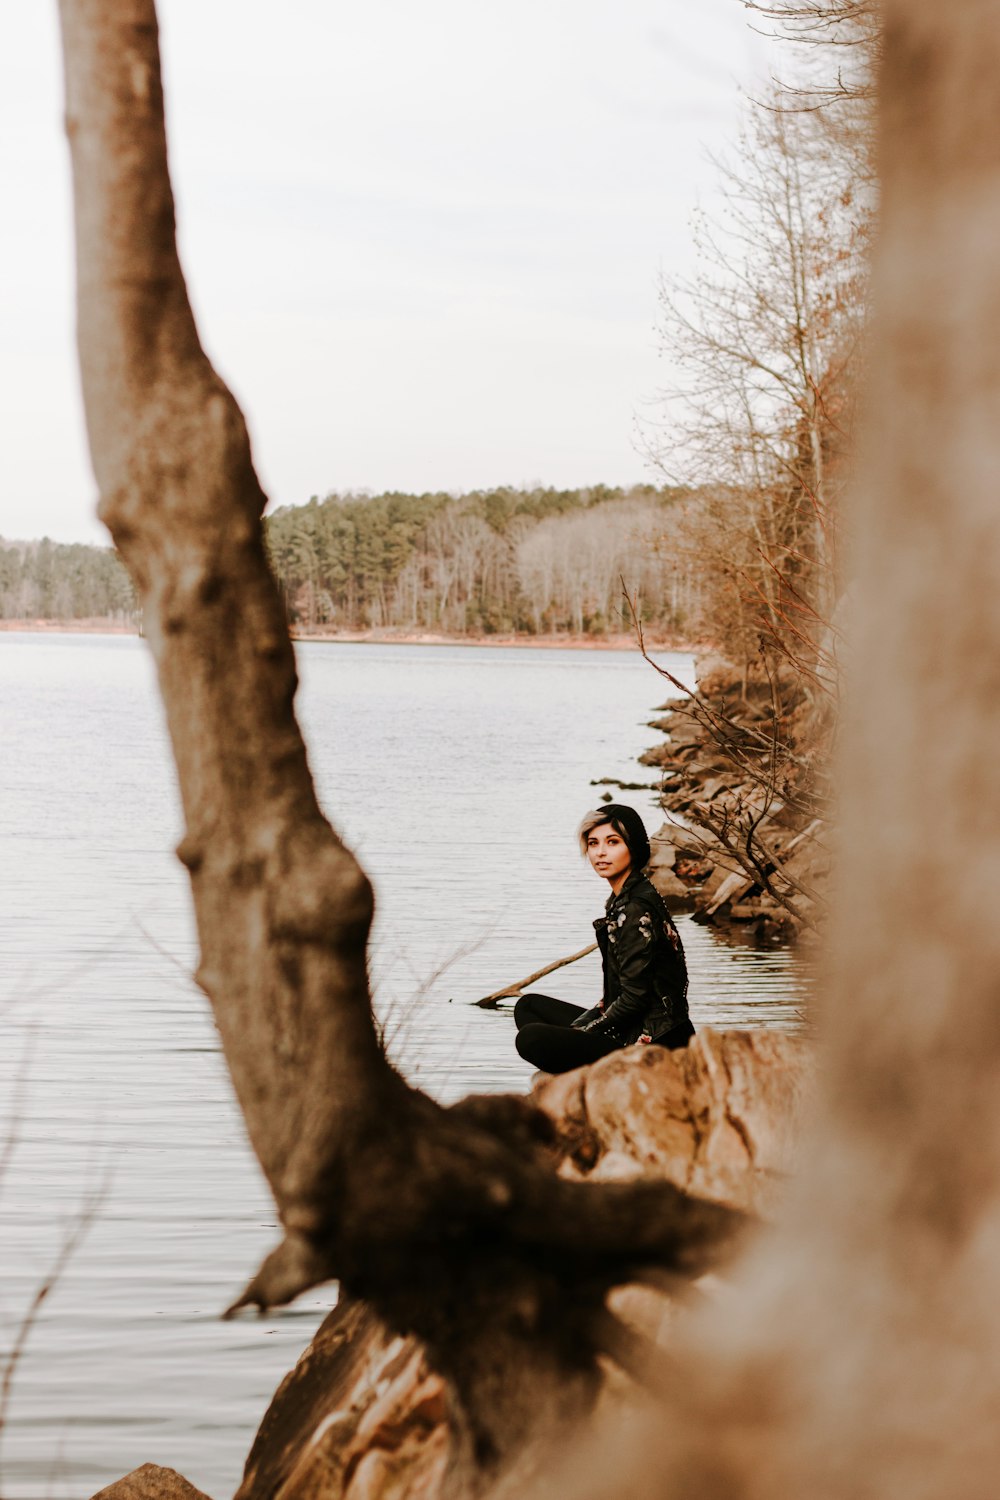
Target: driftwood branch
[(488, 1002)]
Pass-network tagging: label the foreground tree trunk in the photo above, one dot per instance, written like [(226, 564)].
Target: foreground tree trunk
[(450, 1223)]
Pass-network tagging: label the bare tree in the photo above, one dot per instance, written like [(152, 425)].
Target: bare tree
[(450, 1222), (768, 778), (848, 29), (570, 567), (765, 342)]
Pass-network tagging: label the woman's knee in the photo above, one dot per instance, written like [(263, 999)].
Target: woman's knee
[(525, 1042), (524, 1010)]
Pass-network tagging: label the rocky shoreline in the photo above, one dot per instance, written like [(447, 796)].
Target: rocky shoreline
[(711, 741)]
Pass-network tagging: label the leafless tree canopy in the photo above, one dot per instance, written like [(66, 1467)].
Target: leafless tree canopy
[(764, 348)]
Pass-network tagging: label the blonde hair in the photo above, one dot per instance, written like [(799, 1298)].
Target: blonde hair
[(597, 819)]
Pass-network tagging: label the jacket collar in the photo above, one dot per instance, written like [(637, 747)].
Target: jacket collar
[(631, 882)]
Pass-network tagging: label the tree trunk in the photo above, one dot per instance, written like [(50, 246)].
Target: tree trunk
[(450, 1222)]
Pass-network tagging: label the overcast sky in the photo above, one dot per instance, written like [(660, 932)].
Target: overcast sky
[(422, 240)]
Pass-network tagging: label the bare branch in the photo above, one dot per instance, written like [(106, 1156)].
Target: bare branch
[(488, 1002)]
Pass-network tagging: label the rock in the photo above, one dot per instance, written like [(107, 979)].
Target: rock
[(150, 1482), (711, 762), (732, 888), (676, 895), (647, 1312), (711, 778), (806, 859), (626, 786), (361, 1417), (711, 885), (615, 1166), (662, 852), (707, 879), (711, 786), (717, 675), (672, 870), (719, 1118), (682, 729), (682, 839)]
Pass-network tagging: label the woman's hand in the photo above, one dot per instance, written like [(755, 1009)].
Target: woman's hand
[(601, 1026)]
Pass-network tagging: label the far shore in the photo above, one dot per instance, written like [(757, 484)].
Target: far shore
[(69, 627), (565, 642), (561, 642)]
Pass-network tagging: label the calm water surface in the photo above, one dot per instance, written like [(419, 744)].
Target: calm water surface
[(458, 775)]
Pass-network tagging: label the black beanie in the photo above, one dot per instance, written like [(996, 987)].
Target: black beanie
[(632, 830)]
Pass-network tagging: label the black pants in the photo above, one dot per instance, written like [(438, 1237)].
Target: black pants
[(545, 1036)]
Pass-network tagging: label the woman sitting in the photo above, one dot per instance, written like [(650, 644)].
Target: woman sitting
[(645, 976)]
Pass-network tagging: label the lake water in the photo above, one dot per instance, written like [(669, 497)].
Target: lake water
[(458, 775)]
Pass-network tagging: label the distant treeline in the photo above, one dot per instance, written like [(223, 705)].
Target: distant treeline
[(507, 560), (63, 581), (533, 561)]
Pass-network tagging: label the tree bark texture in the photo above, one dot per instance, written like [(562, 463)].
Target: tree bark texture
[(450, 1222)]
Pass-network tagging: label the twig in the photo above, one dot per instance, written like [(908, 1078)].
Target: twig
[(74, 1238), (15, 1122)]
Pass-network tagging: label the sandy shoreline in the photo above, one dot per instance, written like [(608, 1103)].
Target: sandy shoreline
[(68, 627), (377, 638), (527, 642)]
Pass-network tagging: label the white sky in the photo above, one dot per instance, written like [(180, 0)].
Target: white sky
[(422, 240)]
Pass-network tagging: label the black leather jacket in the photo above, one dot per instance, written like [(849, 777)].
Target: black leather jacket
[(645, 976)]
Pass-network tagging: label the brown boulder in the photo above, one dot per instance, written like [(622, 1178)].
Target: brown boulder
[(676, 895), (150, 1482), (662, 852), (361, 1417), (719, 1118)]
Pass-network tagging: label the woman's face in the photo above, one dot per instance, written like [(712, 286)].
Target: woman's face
[(608, 852)]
